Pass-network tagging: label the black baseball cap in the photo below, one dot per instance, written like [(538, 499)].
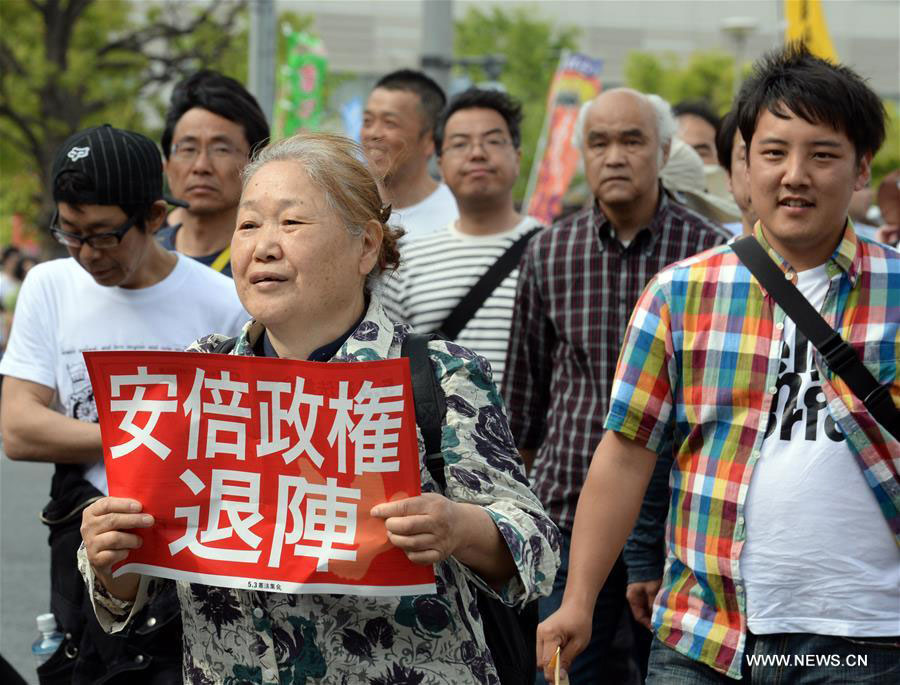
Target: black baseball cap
[(126, 167)]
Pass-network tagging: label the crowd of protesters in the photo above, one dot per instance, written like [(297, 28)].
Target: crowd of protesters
[(691, 490), (14, 266)]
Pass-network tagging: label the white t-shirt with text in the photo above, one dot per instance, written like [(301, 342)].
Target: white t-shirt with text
[(62, 312), (819, 556)]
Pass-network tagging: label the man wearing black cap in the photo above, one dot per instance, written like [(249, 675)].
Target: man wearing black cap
[(119, 290)]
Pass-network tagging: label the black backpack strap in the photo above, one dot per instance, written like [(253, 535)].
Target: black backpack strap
[(224, 346), (430, 403), (465, 309), (840, 357), (510, 635)]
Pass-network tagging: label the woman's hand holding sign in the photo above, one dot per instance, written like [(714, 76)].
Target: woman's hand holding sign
[(424, 527), (429, 528), (104, 529)]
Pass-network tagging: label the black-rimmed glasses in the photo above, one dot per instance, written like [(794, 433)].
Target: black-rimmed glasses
[(99, 241), (188, 151), (491, 144)]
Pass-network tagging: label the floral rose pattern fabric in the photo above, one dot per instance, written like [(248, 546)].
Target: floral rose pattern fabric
[(241, 636)]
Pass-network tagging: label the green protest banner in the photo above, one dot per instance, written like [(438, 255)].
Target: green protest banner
[(300, 103)]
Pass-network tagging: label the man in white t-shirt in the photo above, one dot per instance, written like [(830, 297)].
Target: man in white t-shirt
[(477, 138), (119, 290), (398, 123)]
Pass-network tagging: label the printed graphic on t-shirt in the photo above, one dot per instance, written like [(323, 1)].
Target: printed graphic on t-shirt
[(79, 400), (799, 408)]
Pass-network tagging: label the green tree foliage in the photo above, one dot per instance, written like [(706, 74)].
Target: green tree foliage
[(532, 49), (68, 64), (706, 76), (888, 157)]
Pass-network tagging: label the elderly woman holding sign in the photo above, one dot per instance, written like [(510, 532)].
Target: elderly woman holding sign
[(311, 237)]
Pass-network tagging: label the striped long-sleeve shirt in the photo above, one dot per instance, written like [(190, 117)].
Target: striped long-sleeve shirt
[(698, 374), (577, 287), (437, 271)]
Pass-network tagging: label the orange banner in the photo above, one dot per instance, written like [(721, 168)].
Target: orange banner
[(576, 81)]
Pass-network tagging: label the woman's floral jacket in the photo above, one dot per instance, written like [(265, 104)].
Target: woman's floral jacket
[(242, 636)]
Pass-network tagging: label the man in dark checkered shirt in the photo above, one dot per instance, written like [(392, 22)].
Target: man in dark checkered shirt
[(578, 284)]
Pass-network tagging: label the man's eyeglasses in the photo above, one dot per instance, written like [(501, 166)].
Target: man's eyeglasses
[(463, 146), (188, 151), (99, 241)]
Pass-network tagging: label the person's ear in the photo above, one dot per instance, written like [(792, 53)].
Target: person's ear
[(666, 149), (864, 172), (166, 171), (428, 147), (372, 237), (156, 216)]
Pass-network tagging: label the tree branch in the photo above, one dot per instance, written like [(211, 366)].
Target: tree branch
[(75, 9), (23, 125), (169, 63), (22, 146), (8, 60), (136, 40)]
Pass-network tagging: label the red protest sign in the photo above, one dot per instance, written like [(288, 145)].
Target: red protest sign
[(261, 472)]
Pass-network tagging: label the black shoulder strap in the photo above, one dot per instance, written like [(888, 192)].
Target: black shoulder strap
[(224, 346), (430, 403), (465, 309), (839, 356)]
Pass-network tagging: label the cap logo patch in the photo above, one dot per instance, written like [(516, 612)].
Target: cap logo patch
[(77, 153)]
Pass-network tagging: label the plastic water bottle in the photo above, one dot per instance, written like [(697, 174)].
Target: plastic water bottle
[(49, 641)]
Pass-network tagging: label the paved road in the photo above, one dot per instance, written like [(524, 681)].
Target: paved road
[(24, 559)]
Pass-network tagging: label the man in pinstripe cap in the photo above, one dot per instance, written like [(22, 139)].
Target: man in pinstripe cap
[(119, 289)]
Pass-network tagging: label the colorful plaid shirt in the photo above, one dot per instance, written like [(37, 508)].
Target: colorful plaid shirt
[(577, 287), (697, 374)]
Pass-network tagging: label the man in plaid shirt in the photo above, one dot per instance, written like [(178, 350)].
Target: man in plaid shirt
[(782, 543), (577, 286)]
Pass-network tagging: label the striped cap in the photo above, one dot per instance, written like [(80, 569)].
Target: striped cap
[(126, 167)]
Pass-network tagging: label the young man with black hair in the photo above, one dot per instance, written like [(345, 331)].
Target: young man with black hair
[(782, 556), (397, 136), (213, 126), (118, 290), (732, 154), (477, 138), (698, 126)]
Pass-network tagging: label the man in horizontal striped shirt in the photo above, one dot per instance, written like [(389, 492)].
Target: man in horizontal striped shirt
[(782, 541), (579, 282), (477, 138)]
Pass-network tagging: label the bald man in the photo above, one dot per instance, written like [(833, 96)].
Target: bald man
[(577, 286)]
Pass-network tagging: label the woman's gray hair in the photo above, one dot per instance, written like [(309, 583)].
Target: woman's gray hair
[(665, 121), (338, 167)]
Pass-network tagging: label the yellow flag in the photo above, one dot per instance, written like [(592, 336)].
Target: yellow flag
[(806, 24)]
